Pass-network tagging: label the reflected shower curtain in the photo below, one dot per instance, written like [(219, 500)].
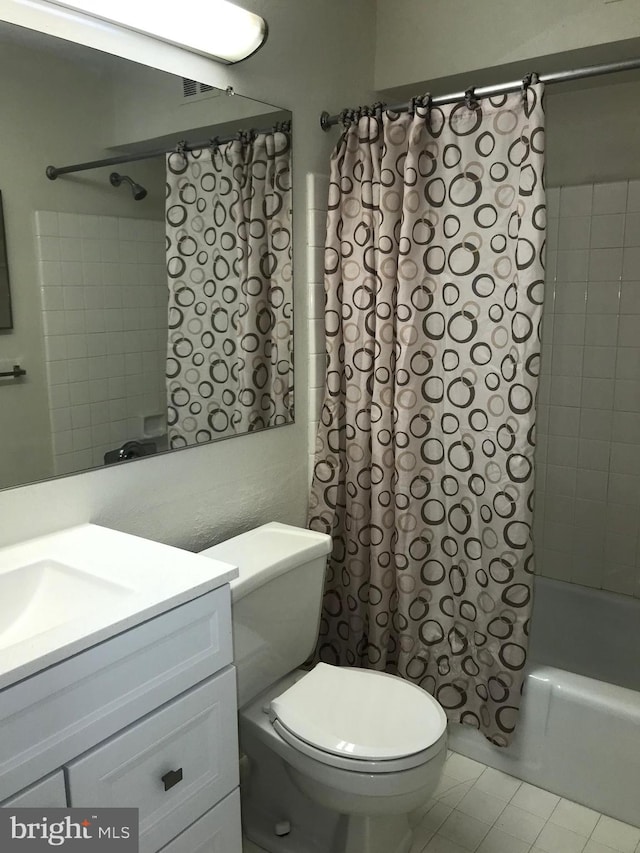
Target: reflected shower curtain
[(424, 456), (229, 266)]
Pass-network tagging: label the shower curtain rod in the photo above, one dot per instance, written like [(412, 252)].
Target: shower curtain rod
[(327, 121), (53, 172)]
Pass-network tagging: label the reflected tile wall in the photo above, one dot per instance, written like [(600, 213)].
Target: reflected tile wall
[(587, 517), (104, 312), (317, 192)]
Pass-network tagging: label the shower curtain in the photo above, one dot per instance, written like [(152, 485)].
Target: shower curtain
[(424, 456), (229, 266)]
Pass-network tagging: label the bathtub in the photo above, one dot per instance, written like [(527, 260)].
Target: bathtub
[(579, 729)]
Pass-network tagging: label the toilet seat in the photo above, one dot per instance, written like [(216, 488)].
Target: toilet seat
[(359, 765), (359, 719)]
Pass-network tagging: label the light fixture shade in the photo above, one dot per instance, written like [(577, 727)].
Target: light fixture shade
[(214, 28)]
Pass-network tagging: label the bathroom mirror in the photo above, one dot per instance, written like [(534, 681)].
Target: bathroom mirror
[(144, 324)]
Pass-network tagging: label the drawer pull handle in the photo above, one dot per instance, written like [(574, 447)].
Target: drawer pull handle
[(172, 778)]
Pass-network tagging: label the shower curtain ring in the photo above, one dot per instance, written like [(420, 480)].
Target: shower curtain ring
[(526, 82), (181, 149), (470, 98)]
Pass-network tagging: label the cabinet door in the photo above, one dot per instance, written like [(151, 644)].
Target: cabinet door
[(218, 831), (174, 765), (47, 793)]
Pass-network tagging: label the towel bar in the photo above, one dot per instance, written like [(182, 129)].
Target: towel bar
[(16, 373)]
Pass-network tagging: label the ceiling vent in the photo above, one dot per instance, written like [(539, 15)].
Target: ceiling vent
[(192, 90)]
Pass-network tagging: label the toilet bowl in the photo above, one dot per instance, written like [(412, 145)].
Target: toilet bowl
[(338, 757)]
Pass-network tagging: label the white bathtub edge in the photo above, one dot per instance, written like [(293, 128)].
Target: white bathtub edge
[(577, 737)]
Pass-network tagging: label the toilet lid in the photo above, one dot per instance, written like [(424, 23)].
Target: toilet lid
[(359, 713)]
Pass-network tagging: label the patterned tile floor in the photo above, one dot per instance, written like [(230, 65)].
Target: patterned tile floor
[(476, 808)]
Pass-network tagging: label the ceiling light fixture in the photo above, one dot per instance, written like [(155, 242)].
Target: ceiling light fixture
[(214, 28)]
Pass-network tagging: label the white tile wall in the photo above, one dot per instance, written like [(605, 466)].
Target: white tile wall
[(587, 513), (317, 192), (104, 313)]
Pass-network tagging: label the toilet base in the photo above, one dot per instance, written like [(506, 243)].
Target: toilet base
[(363, 834), (315, 829), (270, 796)]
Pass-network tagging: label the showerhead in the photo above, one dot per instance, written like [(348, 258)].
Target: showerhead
[(138, 191)]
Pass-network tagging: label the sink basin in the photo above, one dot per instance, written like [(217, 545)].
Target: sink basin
[(66, 591), (44, 595)]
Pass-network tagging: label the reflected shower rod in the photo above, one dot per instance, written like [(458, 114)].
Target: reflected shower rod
[(53, 172), (327, 121)]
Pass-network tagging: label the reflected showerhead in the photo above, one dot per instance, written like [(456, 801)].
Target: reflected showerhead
[(138, 191)]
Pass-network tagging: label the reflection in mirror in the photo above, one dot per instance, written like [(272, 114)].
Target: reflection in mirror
[(5, 294), (152, 309), (229, 364)]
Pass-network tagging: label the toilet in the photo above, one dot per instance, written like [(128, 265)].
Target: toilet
[(336, 758)]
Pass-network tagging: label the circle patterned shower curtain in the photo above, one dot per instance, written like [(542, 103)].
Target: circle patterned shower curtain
[(229, 268), (424, 457)]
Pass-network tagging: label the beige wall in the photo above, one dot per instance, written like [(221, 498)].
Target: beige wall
[(593, 133), (425, 40), (198, 495)]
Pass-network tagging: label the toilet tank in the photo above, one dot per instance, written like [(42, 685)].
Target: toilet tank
[(275, 601)]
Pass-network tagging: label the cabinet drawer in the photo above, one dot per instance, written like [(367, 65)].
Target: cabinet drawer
[(218, 831), (52, 717), (195, 734), (47, 793)]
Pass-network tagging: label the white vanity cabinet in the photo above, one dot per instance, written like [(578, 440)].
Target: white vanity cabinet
[(145, 719), (174, 764)]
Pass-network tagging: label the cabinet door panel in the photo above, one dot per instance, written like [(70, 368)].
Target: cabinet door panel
[(174, 765), (218, 831), (47, 793)]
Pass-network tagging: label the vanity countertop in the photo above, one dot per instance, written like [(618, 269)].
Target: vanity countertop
[(69, 590)]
